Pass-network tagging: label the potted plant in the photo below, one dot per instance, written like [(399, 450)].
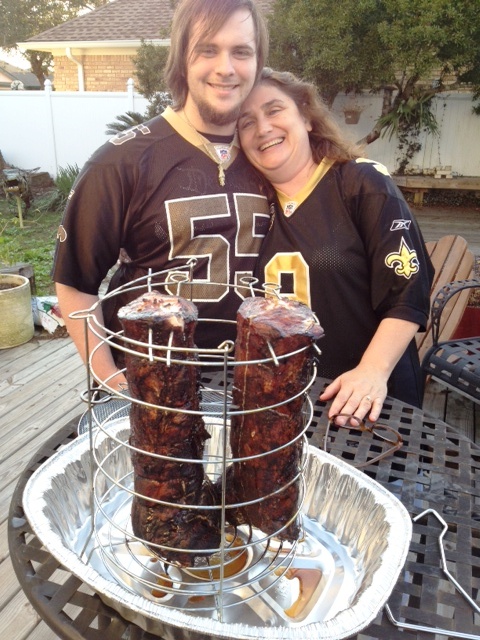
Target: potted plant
[(352, 112), (16, 326)]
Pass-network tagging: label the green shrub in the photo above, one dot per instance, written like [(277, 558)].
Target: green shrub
[(56, 199), (125, 121), (65, 179)]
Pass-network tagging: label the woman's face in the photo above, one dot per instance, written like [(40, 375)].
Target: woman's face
[(274, 134)]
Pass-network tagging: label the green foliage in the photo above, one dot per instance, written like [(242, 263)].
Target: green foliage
[(24, 19), (35, 243), (328, 42), (40, 64), (6, 220), (65, 178), (413, 114), (55, 200), (157, 104), (406, 122), (409, 49), (149, 65), (125, 121), (476, 107)]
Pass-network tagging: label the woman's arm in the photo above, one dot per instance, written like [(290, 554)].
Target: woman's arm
[(103, 365), (362, 390)]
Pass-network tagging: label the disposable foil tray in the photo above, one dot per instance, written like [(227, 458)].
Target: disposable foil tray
[(357, 536)]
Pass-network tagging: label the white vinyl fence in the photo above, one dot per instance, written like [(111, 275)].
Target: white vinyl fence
[(50, 129), (457, 145)]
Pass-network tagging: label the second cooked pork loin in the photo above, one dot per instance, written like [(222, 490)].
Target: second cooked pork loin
[(266, 325)]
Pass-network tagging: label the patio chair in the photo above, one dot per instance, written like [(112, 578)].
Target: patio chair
[(454, 363), (453, 261)]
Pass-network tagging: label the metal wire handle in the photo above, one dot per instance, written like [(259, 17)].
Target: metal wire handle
[(458, 587)]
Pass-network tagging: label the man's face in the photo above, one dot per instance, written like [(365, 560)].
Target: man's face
[(220, 73)]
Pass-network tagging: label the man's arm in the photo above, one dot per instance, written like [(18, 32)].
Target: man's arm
[(103, 365)]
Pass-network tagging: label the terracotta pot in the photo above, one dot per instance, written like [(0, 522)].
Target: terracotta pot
[(16, 317)]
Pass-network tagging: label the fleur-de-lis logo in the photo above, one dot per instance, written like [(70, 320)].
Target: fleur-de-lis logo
[(405, 261)]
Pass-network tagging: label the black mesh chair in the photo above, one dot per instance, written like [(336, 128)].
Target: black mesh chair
[(453, 363)]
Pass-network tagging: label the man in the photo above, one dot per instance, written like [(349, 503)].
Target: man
[(176, 188)]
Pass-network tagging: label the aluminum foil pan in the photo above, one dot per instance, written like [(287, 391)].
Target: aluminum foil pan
[(357, 536)]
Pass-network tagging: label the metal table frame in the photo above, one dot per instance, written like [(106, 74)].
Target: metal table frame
[(437, 468)]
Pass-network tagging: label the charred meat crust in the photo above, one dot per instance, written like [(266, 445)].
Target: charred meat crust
[(286, 326), (166, 430)]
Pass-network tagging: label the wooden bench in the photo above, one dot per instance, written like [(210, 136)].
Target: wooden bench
[(421, 184)]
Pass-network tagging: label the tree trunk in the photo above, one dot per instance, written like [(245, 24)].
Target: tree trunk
[(387, 106), (38, 61)]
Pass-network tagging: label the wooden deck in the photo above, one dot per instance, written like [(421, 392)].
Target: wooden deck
[(436, 222), (40, 386)]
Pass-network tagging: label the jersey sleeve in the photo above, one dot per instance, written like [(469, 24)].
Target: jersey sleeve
[(91, 233), (401, 272)]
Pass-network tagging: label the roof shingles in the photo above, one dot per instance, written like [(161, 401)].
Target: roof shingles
[(120, 20)]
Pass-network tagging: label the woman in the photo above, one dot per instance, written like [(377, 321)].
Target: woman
[(344, 241)]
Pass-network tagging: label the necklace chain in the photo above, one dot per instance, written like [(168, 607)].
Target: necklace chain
[(207, 145)]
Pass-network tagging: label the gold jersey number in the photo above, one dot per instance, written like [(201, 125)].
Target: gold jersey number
[(186, 243), (290, 264)]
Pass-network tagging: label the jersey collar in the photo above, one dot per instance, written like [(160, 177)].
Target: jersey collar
[(194, 137), (288, 204)]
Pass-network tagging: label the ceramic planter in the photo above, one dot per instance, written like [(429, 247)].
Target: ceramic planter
[(16, 317)]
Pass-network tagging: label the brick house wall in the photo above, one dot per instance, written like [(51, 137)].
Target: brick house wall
[(101, 72)]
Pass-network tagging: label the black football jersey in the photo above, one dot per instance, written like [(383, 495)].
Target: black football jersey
[(352, 251), (154, 192)]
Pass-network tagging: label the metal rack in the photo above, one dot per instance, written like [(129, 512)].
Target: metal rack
[(248, 563)]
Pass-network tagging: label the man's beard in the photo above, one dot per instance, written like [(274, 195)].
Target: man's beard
[(218, 119)]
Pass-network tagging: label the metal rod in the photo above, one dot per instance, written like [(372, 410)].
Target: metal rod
[(445, 570), (169, 349), (90, 433), (317, 348), (418, 627), (150, 345), (273, 354), (272, 289)]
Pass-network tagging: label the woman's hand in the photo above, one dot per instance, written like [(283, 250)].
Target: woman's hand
[(359, 392)]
